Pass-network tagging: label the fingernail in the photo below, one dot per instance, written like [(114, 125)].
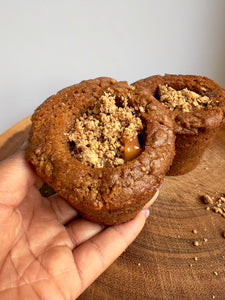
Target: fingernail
[(145, 213), (24, 145), (161, 185)]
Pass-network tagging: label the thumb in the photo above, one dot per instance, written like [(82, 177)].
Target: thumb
[(16, 178)]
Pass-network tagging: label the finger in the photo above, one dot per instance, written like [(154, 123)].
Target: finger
[(64, 211), (82, 230), (16, 179), (147, 205), (38, 180), (96, 254), (23, 146)]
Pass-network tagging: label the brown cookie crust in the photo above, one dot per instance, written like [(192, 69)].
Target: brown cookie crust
[(195, 129), (104, 195), (190, 122)]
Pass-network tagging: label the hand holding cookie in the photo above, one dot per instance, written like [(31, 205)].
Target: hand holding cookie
[(104, 146), (47, 249)]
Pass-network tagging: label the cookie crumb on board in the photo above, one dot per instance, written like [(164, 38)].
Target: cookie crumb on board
[(207, 199), (200, 241), (196, 243), (195, 258), (215, 204)]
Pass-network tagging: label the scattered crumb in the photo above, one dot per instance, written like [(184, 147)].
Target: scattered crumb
[(224, 234), (218, 210), (139, 264), (207, 199), (194, 231), (196, 243), (217, 205), (222, 199), (195, 258), (205, 240), (98, 136), (215, 273), (190, 265), (185, 99)]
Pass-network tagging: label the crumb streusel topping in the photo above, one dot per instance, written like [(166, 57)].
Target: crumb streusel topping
[(184, 99), (98, 136)]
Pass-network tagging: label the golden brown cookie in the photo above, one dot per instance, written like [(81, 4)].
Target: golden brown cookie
[(104, 146), (198, 106)]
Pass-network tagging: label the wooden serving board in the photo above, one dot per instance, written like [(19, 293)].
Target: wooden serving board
[(163, 263)]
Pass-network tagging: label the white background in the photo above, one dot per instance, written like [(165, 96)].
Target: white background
[(47, 45)]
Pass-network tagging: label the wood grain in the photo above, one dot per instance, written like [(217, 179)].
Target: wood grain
[(14, 137), (163, 263)]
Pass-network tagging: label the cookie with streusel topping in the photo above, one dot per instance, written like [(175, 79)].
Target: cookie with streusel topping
[(103, 146), (198, 106)]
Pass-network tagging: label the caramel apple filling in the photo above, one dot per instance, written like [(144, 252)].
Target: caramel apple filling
[(132, 148), (107, 134)]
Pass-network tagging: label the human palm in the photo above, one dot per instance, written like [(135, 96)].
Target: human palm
[(46, 250)]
